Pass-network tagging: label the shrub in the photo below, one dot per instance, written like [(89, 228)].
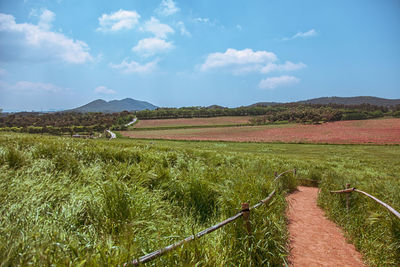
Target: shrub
[(14, 158), (354, 116)]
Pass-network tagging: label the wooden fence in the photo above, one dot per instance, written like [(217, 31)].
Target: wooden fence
[(245, 213), (349, 190)]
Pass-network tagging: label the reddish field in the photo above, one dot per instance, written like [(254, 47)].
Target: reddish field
[(192, 122), (381, 131)]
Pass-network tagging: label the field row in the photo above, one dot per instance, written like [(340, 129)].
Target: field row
[(377, 131), (228, 120)]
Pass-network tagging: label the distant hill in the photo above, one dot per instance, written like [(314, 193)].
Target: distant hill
[(127, 104), (264, 104), (356, 100), (215, 107)]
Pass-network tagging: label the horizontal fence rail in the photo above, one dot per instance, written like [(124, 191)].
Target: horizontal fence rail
[(244, 212), (277, 176), (350, 190)]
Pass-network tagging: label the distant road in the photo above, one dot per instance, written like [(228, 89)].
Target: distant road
[(132, 122), (112, 134)]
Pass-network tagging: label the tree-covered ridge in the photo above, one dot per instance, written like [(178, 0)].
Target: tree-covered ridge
[(278, 112), (74, 122)]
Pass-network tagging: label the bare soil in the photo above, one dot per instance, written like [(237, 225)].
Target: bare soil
[(226, 120), (315, 240)]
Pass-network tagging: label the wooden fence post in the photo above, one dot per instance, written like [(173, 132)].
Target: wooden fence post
[(246, 217), (295, 171), (347, 197)]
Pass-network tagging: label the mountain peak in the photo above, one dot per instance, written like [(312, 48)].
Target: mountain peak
[(127, 104)]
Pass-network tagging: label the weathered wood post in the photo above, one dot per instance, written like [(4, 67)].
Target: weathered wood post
[(246, 217), (347, 197)]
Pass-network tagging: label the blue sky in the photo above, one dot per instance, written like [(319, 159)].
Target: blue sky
[(62, 54)]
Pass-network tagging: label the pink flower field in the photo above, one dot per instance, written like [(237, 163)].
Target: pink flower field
[(377, 131)]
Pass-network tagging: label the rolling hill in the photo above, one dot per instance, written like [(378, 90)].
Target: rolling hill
[(356, 100), (127, 104)]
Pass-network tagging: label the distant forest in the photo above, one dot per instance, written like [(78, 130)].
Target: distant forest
[(88, 123)]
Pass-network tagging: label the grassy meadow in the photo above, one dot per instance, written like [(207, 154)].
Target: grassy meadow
[(98, 202)]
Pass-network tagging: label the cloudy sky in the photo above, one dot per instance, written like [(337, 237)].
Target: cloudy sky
[(65, 53)]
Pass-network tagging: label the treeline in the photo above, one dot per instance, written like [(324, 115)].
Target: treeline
[(279, 112), (201, 112), (325, 113), (88, 123), (63, 119), (65, 122)]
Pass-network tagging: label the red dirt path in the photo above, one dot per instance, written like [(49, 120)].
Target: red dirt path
[(314, 240), (377, 131)]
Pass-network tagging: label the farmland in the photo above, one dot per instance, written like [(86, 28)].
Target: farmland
[(377, 131), (227, 120), (99, 202)]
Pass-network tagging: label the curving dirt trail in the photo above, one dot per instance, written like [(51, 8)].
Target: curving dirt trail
[(315, 240)]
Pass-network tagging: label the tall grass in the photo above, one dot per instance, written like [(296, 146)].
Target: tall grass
[(93, 202), (371, 227), (86, 202)]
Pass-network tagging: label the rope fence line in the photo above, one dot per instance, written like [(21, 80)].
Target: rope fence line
[(245, 212), (353, 189), (277, 176)]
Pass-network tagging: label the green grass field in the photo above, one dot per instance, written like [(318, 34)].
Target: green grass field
[(98, 202)]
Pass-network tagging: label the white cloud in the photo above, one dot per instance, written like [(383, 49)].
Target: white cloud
[(247, 61), (33, 87), (182, 29), (46, 17), (120, 20), (273, 82), (28, 95), (135, 67), (167, 8), (103, 90), (150, 46), (3, 72), (32, 42), (154, 26), (309, 33), (238, 59), (287, 66), (202, 20), (239, 27)]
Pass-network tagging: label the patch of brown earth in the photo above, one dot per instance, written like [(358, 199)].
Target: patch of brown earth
[(315, 240), (378, 131)]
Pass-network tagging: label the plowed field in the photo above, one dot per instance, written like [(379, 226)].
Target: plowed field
[(379, 131), (228, 120)]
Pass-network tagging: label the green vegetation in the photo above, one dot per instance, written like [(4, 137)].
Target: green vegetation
[(372, 228), (97, 202), (323, 113), (70, 123), (64, 122), (86, 202), (293, 112)]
